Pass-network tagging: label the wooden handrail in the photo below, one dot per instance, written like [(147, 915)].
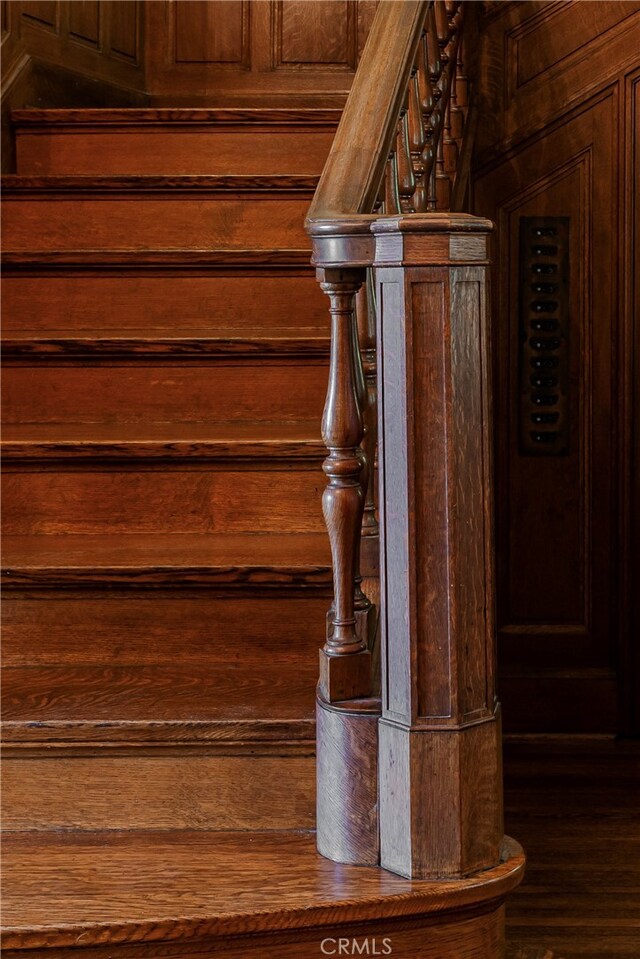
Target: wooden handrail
[(354, 170), (397, 145)]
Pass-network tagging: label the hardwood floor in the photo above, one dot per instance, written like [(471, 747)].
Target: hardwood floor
[(576, 812)]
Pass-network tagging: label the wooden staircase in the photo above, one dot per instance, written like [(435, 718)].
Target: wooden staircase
[(166, 566)]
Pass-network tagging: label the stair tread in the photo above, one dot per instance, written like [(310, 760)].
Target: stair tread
[(109, 887), (176, 116), (219, 440), (192, 692), (137, 552)]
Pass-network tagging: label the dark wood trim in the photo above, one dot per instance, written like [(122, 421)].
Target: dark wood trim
[(164, 348), (149, 260), (25, 737), (174, 560), (144, 451), (17, 187), (176, 118)]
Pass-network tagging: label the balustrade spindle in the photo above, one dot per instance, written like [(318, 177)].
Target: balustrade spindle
[(456, 113), (391, 194), (442, 182), (345, 660), (364, 612), (459, 108), (366, 323), (442, 29), (450, 146), (417, 141), (406, 176), (433, 53)]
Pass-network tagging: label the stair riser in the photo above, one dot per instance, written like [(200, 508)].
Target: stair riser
[(194, 500), (132, 150), (164, 792), (175, 392), (119, 628), (187, 304), (40, 223)]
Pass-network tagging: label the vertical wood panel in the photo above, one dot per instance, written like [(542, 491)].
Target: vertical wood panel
[(84, 21), (432, 562), (123, 17), (316, 33), (551, 141), (470, 427), (208, 32), (248, 52), (44, 13), (396, 617)]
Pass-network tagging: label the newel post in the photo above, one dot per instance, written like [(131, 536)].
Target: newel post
[(439, 735)]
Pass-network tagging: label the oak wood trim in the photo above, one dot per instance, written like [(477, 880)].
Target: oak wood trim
[(175, 118), (150, 260), (16, 186)]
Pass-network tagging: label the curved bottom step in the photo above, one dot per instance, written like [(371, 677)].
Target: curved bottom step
[(237, 894)]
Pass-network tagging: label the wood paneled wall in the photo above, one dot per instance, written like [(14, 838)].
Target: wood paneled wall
[(96, 38), (558, 137), (243, 51)]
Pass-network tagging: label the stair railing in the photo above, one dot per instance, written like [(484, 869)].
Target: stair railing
[(396, 151), (410, 779)]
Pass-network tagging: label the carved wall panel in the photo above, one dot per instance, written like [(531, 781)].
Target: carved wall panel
[(214, 33), (539, 59), (95, 38), (245, 52), (552, 150), (314, 36)]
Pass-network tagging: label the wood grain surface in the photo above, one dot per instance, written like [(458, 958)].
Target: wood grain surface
[(208, 875), (271, 561), (181, 141)]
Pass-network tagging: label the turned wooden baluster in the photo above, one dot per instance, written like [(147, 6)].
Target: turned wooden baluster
[(442, 184), (459, 94), (366, 322), (417, 137), (391, 194), (427, 103), (364, 612), (345, 660), (456, 115), (450, 145), (443, 29), (406, 177), (435, 69), (433, 51)]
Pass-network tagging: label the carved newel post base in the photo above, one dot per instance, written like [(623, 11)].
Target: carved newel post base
[(439, 748)]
